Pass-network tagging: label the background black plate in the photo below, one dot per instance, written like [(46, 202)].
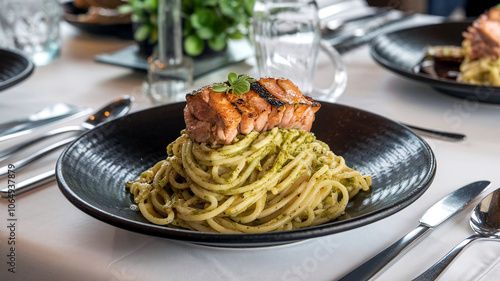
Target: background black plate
[(120, 30), (401, 51), (14, 68), (92, 171)]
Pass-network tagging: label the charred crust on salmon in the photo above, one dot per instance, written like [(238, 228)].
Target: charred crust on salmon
[(265, 94)]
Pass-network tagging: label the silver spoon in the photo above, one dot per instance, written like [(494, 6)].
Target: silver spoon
[(484, 220), (111, 111)]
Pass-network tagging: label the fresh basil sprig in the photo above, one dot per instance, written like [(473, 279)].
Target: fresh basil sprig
[(237, 85)]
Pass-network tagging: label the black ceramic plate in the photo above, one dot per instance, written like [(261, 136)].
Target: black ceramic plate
[(14, 68), (403, 50), (120, 30), (92, 171)]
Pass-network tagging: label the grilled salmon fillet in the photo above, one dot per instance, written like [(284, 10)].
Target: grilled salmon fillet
[(218, 117), (484, 36)]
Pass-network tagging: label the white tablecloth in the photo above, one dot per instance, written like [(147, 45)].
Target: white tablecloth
[(56, 241)]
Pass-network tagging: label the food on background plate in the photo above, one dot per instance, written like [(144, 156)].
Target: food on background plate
[(477, 61), (109, 4), (481, 46), (446, 53), (101, 12), (247, 163), (445, 61)]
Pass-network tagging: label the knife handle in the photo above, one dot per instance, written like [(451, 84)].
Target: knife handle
[(374, 265), (29, 184)]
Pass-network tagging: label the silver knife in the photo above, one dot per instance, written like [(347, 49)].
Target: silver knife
[(434, 216), (354, 38), (28, 184), (43, 117), (338, 25)]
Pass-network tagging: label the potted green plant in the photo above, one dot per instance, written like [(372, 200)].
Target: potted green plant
[(207, 24)]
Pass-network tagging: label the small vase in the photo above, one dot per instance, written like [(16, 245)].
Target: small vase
[(170, 73)]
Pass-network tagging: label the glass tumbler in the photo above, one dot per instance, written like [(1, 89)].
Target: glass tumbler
[(287, 41), (32, 27)]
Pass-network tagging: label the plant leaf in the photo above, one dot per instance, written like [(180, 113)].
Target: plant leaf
[(205, 33), (125, 9), (151, 5), (227, 7), (241, 88), (244, 78), (212, 21), (220, 87), (237, 34), (232, 78), (193, 45), (237, 85), (217, 43), (248, 4), (142, 32), (195, 21)]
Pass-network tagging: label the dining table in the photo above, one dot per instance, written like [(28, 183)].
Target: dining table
[(54, 240)]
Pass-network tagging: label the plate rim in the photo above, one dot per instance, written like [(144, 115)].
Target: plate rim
[(19, 77), (253, 239)]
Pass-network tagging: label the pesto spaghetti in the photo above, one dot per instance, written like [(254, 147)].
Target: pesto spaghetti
[(276, 180)]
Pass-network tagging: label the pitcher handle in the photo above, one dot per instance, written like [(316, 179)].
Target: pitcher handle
[(339, 79)]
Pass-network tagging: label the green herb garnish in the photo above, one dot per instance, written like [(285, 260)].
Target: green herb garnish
[(237, 85)]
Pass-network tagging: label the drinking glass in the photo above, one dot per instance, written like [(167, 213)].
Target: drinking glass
[(32, 27), (287, 40)]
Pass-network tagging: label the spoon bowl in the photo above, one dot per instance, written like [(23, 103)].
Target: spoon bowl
[(113, 110), (484, 220)]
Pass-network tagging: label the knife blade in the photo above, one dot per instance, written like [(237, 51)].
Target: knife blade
[(41, 118), (442, 210)]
